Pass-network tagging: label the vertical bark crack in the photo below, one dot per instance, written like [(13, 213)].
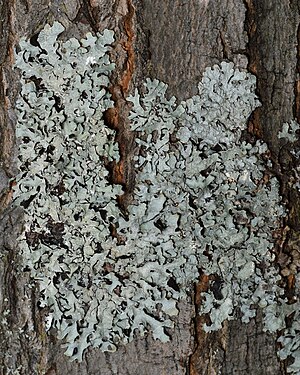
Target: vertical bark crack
[(117, 117), (201, 338), (297, 83)]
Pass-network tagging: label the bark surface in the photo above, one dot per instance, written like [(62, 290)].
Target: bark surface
[(173, 41)]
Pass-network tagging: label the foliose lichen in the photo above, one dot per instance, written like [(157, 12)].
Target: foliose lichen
[(289, 131), (289, 339), (63, 183), (202, 193), (202, 201)]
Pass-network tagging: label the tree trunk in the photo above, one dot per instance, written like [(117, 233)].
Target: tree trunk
[(173, 41)]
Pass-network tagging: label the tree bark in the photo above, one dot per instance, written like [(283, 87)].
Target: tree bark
[(173, 41)]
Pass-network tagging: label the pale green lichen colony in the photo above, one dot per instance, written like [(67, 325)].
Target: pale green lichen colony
[(201, 203), (290, 335)]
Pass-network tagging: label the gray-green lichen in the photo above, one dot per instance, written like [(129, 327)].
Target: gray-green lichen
[(289, 131), (201, 192), (63, 184), (289, 339), (290, 336), (202, 202)]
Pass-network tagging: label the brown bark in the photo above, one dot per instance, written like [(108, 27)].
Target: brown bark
[(173, 41)]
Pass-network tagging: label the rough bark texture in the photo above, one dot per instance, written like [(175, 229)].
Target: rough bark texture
[(173, 41)]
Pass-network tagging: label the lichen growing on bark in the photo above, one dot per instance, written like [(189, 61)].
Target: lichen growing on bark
[(289, 338), (211, 203), (202, 200)]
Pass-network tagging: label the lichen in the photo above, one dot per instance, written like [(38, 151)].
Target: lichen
[(202, 201), (289, 131), (63, 183), (289, 338), (204, 193)]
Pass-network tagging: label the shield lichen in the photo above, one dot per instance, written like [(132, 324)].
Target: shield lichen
[(203, 195), (201, 200), (289, 339), (63, 185)]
